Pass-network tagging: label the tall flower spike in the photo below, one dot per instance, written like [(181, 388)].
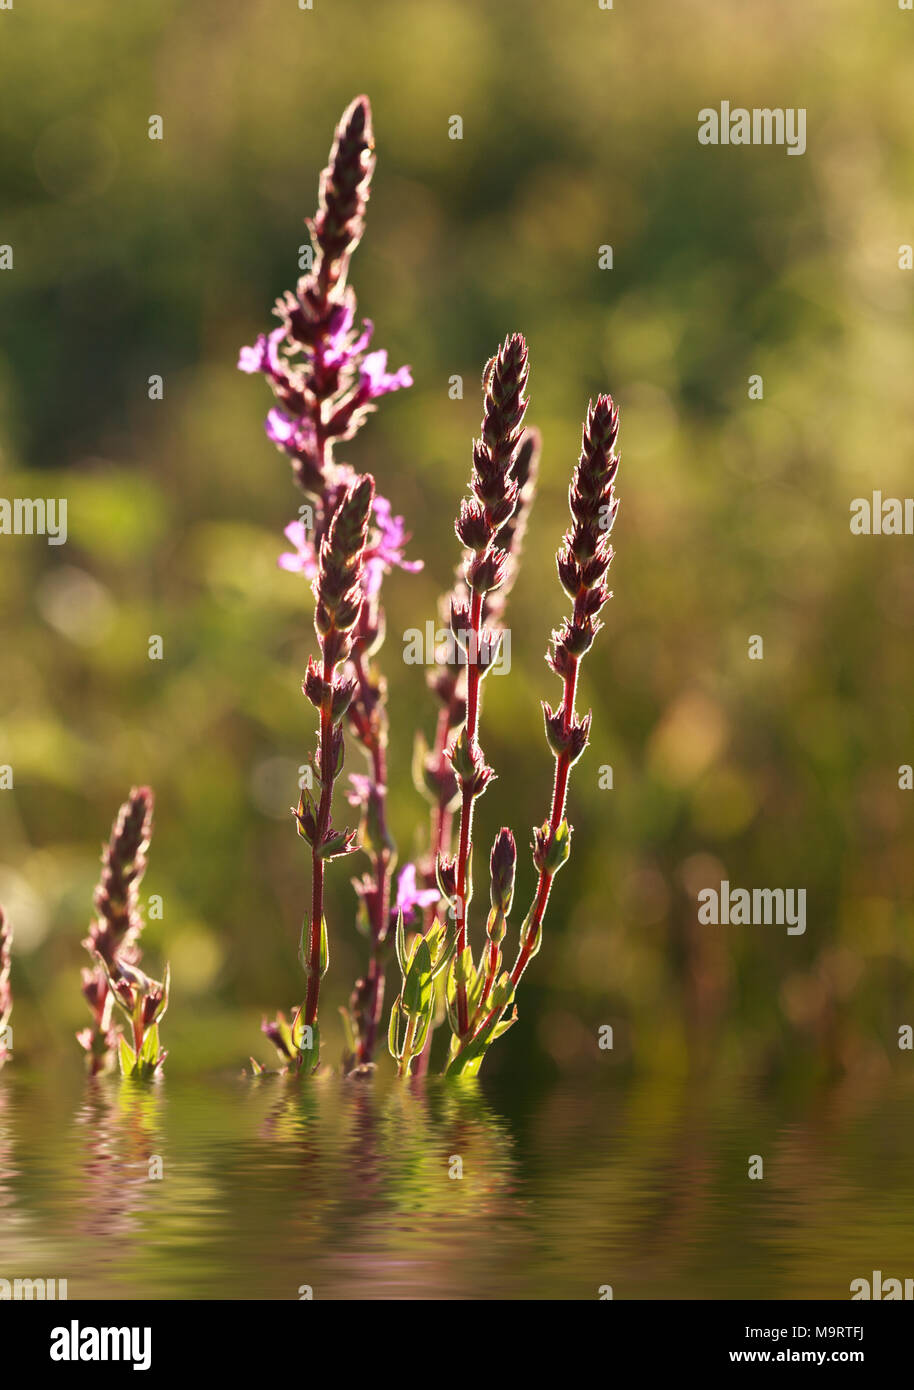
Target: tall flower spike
[(482, 518), (326, 383), (113, 944), (6, 993), (433, 771), (582, 562)]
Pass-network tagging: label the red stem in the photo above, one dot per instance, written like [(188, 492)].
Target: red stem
[(557, 815), (467, 800), (317, 862), (323, 814)]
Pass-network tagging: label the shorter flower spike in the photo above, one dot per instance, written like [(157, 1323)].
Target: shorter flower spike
[(119, 922), (113, 944)]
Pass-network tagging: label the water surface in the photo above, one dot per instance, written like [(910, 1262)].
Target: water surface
[(231, 1188)]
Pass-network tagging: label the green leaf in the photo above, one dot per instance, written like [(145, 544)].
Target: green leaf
[(444, 959), (401, 945), (417, 989), (450, 1004), (469, 1059), (285, 1032), (524, 933), (463, 966), (325, 948), (303, 1037), (149, 1052), (433, 937), (166, 989), (126, 1056), (314, 1052), (304, 949), (422, 1031), (393, 1030), (559, 847)]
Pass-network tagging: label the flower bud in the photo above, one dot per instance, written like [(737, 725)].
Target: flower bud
[(472, 527), (502, 867)]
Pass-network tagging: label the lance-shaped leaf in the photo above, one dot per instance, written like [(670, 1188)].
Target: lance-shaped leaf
[(304, 949), (393, 1030), (469, 1059), (126, 1056), (417, 987)]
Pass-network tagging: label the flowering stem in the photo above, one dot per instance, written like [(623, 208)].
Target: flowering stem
[(338, 603), (381, 857), (487, 565), (582, 561), (317, 862)]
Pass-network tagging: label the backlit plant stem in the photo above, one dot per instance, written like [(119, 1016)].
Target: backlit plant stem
[(338, 604), (468, 798), (372, 733), (582, 562), (317, 861), (557, 815), (486, 567), (326, 383)]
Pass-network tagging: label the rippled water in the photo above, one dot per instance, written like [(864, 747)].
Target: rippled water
[(353, 1189)]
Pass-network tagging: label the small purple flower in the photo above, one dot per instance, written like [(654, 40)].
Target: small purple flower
[(303, 560), (376, 380), (264, 355), (362, 788), (338, 351), (411, 899), (384, 554), (288, 434), (387, 551)]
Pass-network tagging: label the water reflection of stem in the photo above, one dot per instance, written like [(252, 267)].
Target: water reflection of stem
[(122, 1123)]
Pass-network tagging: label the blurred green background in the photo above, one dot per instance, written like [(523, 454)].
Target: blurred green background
[(134, 257)]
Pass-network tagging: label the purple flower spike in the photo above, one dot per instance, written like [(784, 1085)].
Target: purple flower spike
[(326, 384)]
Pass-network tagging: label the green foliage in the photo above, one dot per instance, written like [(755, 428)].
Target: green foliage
[(411, 1015)]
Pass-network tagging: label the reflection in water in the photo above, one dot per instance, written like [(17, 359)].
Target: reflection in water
[(370, 1189), (385, 1176), (120, 1128)]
